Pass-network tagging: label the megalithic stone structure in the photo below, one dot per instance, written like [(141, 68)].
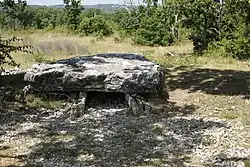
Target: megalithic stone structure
[(131, 74)]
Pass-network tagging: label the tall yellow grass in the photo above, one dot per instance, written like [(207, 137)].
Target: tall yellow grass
[(53, 46)]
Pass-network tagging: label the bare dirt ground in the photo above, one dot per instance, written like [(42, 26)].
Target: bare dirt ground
[(206, 123)]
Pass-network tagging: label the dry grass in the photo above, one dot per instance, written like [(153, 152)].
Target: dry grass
[(53, 46), (225, 107), (49, 46)]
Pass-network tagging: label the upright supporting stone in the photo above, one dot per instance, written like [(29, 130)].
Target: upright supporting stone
[(79, 108), (132, 104), (82, 101), (137, 105)]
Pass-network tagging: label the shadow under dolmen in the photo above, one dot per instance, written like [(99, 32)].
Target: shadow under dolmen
[(128, 77)]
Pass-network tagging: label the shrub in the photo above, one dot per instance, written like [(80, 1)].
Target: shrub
[(152, 38), (7, 46), (203, 16), (224, 27), (153, 30), (95, 25), (237, 48), (148, 25)]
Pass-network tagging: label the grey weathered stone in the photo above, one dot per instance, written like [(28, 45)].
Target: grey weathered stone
[(80, 106), (130, 74), (14, 71), (137, 105), (126, 73)]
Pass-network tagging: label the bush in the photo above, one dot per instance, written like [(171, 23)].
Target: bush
[(237, 48), (203, 16), (95, 25), (219, 27), (154, 30), (152, 38), (148, 25), (6, 48)]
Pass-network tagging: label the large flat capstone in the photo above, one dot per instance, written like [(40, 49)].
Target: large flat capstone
[(126, 73)]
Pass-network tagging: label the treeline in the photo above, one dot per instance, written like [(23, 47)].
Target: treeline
[(214, 26), (18, 15)]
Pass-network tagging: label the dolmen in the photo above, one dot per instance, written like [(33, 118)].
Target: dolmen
[(130, 75)]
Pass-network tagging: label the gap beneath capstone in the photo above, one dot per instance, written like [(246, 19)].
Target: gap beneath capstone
[(105, 100)]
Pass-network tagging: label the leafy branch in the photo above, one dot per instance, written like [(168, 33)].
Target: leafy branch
[(7, 47)]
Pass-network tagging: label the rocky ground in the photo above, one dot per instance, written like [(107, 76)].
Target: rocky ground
[(197, 128)]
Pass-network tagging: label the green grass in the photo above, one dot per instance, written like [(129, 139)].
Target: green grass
[(157, 129), (247, 163), (229, 116), (33, 101), (155, 162)]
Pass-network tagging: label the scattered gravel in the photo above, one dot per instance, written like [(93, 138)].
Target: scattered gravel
[(226, 147), (116, 137)]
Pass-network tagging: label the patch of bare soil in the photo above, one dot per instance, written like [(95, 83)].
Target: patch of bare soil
[(179, 97), (217, 94)]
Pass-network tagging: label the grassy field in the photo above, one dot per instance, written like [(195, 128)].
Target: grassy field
[(207, 86), (49, 46)]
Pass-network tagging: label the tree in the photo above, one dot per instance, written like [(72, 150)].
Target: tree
[(92, 12), (15, 12), (202, 19), (72, 11), (45, 17), (6, 48), (95, 25), (151, 2), (235, 32), (222, 26), (154, 27), (148, 24)]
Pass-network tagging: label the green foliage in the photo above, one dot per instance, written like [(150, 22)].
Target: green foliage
[(230, 116), (235, 32), (72, 11), (223, 26), (40, 58), (6, 48), (152, 24), (92, 12), (127, 21), (15, 14), (203, 16), (95, 25), (2, 20), (157, 129), (247, 162), (236, 47), (43, 101), (153, 31), (46, 17)]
